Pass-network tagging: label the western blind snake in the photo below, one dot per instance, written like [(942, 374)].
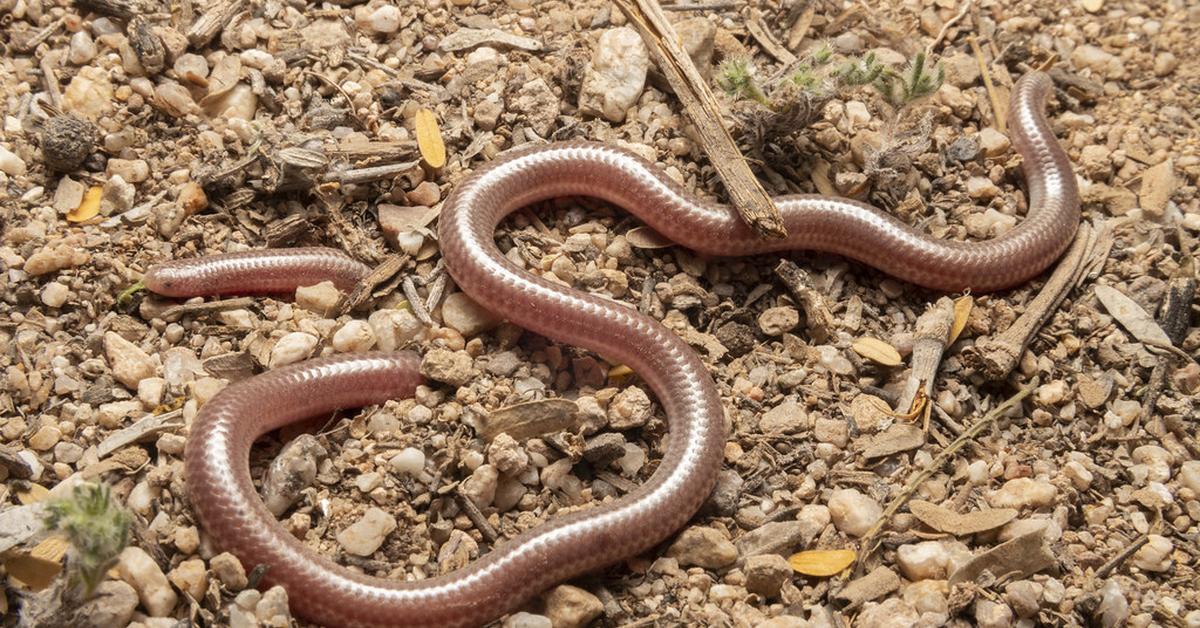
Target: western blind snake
[(218, 474)]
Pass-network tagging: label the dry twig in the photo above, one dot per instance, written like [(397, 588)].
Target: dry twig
[(868, 543), (745, 192), (929, 343), (996, 356)]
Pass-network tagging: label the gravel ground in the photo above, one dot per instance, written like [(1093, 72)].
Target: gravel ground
[(1062, 488)]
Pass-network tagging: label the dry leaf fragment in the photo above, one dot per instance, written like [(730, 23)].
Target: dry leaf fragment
[(89, 207), (821, 563), (619, 371), (877, 351), (32, 494), (962, 311), (465, 38), (1132, 317), (874, 585), (1019, 558), (946, 520), (429, 139), (899, 437), (38, 568), (647, 238)]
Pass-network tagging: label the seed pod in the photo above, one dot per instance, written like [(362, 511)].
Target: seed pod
[(147, 45), (67, 140)]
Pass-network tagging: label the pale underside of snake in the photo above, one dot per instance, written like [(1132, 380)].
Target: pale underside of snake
[(218, 475)]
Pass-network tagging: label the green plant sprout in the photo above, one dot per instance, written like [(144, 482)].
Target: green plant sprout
[(860, 71), (737, 79), (914, 84), (97, 528)]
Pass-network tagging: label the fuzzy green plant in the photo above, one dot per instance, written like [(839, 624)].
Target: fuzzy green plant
[(97, 528), (865, 70), (915, 83), (736, 77)]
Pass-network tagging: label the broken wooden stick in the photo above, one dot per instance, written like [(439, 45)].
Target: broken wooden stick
[(818, 318), (929, 343), (1175, 314), (996, 356), (666, 49)]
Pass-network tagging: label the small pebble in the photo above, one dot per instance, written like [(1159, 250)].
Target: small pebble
[(354, 336), (572, 607), (141, 572), (320, 299), (129, 364), (229, 571), (1155, 555), (766, 573), (410, 461), (852, 512), (292, 348), (702, 546), (365, 536), (191, 577), (629, 409), (1023, 492)]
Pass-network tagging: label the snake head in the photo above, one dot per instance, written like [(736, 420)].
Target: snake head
[(165, 279)]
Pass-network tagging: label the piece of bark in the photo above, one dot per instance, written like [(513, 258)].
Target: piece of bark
[(666, 49), (214, 18), (758, 30), (124, 9), (17, 467), (995, 357), (817, 316), (381, 273), (287, 231)]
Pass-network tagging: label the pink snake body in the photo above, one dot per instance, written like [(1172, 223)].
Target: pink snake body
[(515, 570)]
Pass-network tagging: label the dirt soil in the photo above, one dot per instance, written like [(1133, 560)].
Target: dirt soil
[(1032, 460)]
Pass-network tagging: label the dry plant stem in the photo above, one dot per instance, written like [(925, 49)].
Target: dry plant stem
[(145, 427), (710, 6), (473, 513), (44, 34), (389, 150), (818, 319), (800, 27), (929, 343), (212, 20), (998, 112), (173, 314), (414, 301), (868, 543), (1116, 561), (745, 192), (51, 75), (962, 12), (359, 295), (996, 356), (1176, 312), (759, 32), (372, 173)]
